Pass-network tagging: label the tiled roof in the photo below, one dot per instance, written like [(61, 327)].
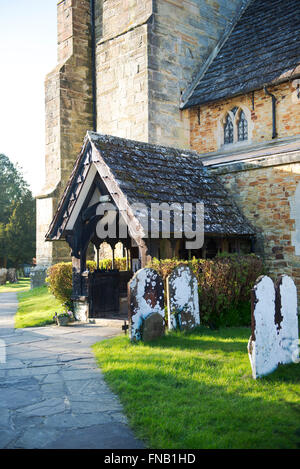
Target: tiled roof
[(263, 48), (147, 173)]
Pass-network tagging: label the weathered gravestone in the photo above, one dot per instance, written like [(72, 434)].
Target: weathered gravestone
[(146, 305), (286, 319), (12, 275), (38, 276), (153, 327), (182, 299), (274, 338), (3, 276), (262, 346)]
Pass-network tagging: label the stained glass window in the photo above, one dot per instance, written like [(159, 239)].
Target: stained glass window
[(242, 128), (228, 130)]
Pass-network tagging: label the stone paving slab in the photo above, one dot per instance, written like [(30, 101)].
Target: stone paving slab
[(50, 383)]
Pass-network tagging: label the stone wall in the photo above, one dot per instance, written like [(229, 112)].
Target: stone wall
[(122, 85), (68, 107), (182, 35), (148, 53), (267, 191), (206, 121)]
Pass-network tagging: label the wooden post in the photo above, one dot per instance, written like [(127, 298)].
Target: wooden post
[(127, 260), (98, 257), (113, 257)]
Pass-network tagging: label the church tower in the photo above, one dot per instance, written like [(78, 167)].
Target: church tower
[(123, 67), (69, 114)]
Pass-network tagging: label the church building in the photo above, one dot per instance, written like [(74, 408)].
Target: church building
[(215, 83)]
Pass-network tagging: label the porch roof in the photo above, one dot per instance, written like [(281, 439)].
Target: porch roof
[(145, 173)]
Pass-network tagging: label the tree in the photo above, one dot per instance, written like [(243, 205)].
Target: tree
[(20, 231), (12, 187), (17, 216)]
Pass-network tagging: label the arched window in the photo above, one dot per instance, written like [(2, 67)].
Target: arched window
[(236, 126), (228, 130), (242, 127)]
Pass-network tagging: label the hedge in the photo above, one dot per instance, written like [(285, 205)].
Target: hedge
[(224, 285)]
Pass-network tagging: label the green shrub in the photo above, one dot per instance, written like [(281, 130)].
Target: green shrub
[(60, 277), (224, 284), (59, 281)]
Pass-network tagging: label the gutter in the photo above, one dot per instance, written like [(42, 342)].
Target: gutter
[(274, 101)]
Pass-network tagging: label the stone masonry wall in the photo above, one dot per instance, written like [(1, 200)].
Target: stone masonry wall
[(121, 67), (206, 135), (147, 54), (68, 106), (122, 85), (268, 196), (182, 35)]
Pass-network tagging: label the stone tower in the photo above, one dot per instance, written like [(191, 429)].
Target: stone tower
[(123, 66)]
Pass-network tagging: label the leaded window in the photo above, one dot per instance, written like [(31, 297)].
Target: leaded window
[(236, 126), (242, 127), (228, 130)]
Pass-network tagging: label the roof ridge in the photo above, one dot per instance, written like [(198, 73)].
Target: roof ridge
[(140, 143)]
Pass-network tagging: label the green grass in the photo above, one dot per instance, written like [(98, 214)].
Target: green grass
[(22, 285), (189, 391), (36, 308)]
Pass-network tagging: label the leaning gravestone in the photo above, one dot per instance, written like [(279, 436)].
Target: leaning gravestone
[(286, 319), (146, 305), (263, 344), (3, 276), (182, 299)]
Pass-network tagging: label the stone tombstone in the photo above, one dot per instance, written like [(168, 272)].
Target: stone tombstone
[(286, 320), (38, 276), (153, 327), (263, 344), (145, 298), (12, 275), (3, 276), (183, 299)]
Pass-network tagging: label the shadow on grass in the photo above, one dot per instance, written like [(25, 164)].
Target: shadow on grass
[(204, 339), (171, 411), (177, 394)]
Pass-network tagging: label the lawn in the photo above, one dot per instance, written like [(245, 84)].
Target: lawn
[(22, 285), (36, 308), (190, 391)]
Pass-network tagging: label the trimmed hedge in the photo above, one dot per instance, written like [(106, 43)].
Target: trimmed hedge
[(224, 283), (59, 278)]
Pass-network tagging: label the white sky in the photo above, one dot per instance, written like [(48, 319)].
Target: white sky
[(27, 54)]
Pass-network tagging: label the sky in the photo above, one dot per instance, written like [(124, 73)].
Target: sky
[(28, 38)]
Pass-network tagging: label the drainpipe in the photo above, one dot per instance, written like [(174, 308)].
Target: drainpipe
[(93, 40), (274, 101)]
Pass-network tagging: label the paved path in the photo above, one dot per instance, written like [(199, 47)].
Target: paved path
[(52, 394)]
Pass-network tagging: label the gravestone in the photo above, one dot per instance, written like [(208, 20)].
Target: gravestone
[(3, 276), (286, 319), (145, 298), (153, 327), (182, 299), (263, 344), (38, 276), (12, 276), (275, 334)]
